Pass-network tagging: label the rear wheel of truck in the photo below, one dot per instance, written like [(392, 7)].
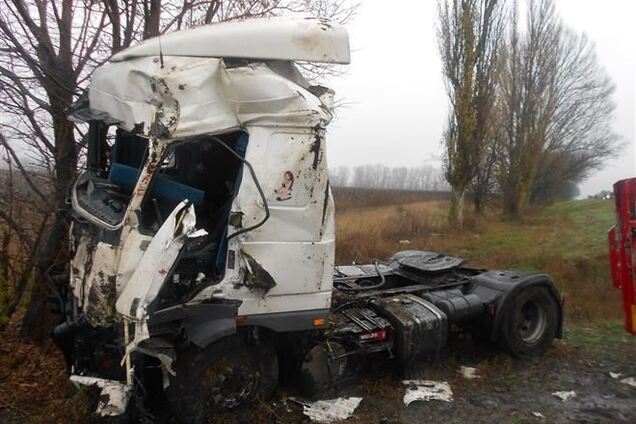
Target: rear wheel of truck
[(228, 373), (531, 322)]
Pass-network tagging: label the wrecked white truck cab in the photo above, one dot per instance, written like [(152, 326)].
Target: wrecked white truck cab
[(202, 234)]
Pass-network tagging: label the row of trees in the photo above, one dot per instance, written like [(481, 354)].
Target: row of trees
[(530, 107), (417, 178), (48, 50)]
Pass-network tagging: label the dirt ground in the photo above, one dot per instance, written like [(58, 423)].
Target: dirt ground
[(507, 391), (34, 387)]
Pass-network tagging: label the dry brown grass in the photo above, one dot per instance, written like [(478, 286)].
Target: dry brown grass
[(375, 232)]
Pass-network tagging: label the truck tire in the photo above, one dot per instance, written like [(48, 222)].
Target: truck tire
[(530, 323), (224, 375)]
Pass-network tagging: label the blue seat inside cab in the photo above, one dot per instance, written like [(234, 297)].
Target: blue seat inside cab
[(163, 188)]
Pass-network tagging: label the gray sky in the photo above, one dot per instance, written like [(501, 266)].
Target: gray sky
[(396, 102)]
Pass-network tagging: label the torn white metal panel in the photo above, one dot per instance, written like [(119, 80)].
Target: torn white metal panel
[(296, 267), (190, 96), (113, 398), (92, 277), (426, 390), (630, 381), (469, 373), (187, 96), (260, 96), (132, 250), (326, 411), (155, 265), (127, 93), (565, 395), (281, 38)]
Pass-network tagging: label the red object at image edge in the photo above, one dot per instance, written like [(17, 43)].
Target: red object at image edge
[(622, 248)]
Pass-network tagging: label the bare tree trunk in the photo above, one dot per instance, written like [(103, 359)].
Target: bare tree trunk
[(152, 19), (456, 212)]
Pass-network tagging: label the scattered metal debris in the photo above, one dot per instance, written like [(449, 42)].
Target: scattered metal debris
[(615, 375), (469, 373), (326, 411), (565, 395), (113, 398), (426, 390), (630, 381)]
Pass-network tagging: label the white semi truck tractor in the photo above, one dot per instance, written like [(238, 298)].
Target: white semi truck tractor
[(202, 236)]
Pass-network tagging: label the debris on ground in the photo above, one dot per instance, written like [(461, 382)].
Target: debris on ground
[(404, 242), (565, 395), (469, 373), (426, 390), (113, 398), (538, 415), (615, 375), (326, 411), (630, 381)]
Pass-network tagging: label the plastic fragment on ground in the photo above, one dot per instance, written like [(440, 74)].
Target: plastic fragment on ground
[(426, 390), (114, 396), (565, 395), (538, 415), (326, 411), (614, 375), (630, 381), (469, 373)]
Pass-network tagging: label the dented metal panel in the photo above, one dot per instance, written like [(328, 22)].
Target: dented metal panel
[(285, 264), (280, 38), (153, 268)]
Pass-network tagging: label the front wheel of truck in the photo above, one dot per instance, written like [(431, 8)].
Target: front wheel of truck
[(531, 322), (228, 373)]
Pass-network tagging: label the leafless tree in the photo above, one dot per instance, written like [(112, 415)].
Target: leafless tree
[(417, 178), (48, 50), (470, 33), (556, 108), (339, 176)]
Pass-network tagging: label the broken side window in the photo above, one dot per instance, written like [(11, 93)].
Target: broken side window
[(114, 159), (205, 173)]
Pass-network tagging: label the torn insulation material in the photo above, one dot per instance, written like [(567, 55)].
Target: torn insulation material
[(565, 395), (113, 398), (426, 390), (326, 411), (469, 373)]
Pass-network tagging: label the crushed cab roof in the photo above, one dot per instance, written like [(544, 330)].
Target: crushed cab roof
[(281, 38)]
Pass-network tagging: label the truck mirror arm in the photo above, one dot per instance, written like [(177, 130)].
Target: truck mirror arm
[(256, 183)]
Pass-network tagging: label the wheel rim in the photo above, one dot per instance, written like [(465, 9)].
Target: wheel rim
[(533, 322), (228, 383)]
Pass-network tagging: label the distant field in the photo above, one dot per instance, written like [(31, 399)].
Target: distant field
[(567, 240), (352, 197)]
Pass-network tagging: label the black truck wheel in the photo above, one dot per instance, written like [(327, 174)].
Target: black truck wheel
[(224, 375), (530, 323)]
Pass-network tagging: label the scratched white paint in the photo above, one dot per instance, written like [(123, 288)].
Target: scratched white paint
[(286, 125)]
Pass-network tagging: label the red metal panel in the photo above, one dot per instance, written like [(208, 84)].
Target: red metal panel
[(622, 246)]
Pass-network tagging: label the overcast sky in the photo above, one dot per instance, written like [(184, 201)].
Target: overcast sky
[(396, 102)]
